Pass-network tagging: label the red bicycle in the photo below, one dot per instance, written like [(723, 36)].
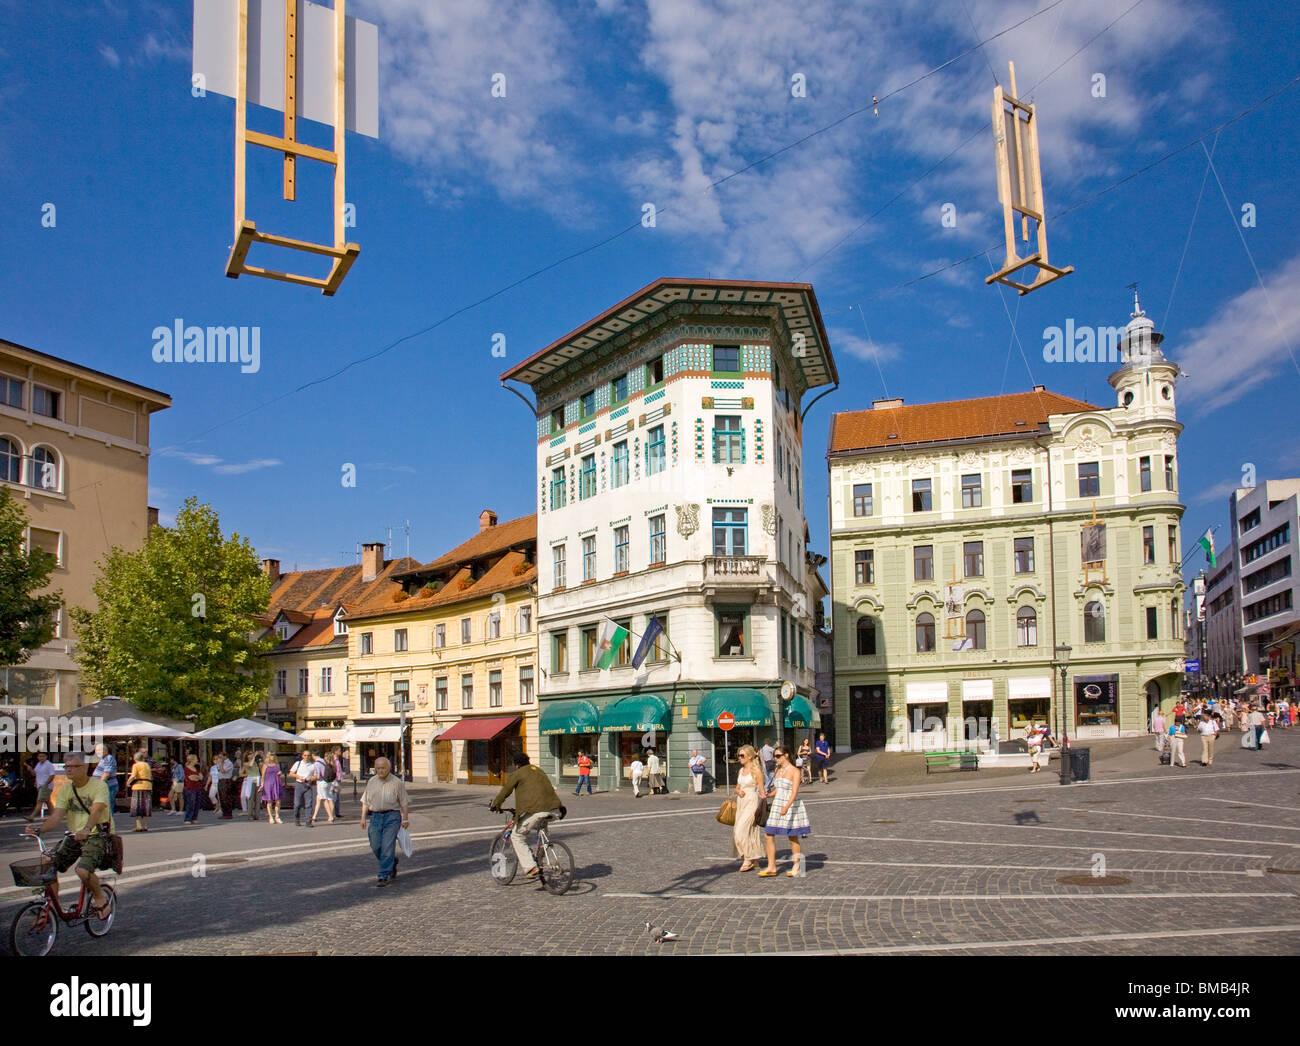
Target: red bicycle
[(37, 923)]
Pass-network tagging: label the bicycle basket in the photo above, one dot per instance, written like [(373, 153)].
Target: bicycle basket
[(32, 873)]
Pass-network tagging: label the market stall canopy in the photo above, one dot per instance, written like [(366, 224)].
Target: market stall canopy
[(748, 706), (133, 728), (569, 717), (800, 713), (635, 713), (482, 728), (248, 730), (120, 708)]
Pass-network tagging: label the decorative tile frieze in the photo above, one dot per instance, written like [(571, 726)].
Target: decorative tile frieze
[(618, 413), (699, 439), (726, 384), (656, 511), (620, 522), (655, 396), (583, 429), (758, 440), (674, 441)]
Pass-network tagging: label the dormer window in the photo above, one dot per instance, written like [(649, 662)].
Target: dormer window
[(282, 630), (340, 626)]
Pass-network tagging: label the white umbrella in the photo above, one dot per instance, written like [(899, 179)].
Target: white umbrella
[(133, 728), (248, 730)]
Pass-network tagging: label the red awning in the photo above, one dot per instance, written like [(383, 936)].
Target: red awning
[(480, 729)]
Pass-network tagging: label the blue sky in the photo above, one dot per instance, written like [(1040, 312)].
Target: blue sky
[(611, 104)]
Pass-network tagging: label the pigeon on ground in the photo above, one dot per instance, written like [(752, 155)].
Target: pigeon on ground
[(658, 934)]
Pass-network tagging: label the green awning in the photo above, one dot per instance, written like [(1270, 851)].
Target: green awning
[(748, 706), (568, 717), (636, 712), (800, 713)]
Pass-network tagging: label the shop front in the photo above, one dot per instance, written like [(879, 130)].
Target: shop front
[(927, 714), (567, 728), (801, 720), (636, 724), (371, 741), (977, 727), (754, 723), (1096, 706), (1028, 701), (490, 744)]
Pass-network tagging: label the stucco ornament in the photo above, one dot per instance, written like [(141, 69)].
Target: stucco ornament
[(769, 519), (1020, 455), (1087, 443), (688, 519), (860, 469), (968, 460)]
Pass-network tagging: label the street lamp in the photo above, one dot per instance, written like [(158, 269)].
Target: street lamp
[(401, 705), (1063, 659)]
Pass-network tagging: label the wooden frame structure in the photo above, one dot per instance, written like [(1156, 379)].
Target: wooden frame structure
[(1091, 567), (246, 232), (1020, 187), (954, 625)]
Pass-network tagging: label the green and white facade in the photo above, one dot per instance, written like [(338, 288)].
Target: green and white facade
[(1011, 482), (669, 485)]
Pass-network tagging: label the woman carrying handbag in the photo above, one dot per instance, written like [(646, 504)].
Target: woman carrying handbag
[(747, 835)]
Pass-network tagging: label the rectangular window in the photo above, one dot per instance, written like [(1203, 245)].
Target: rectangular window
[(620, 473), (862, 499), (464, 630), (525, 620), (1151, 623), (303, 680), (798, 490), (526, 685), (789, 471), (367, 698), (620, 550), (655, 458), (784, 654), (923, 562), (327, 680), (654, 372), (590, 644), (494, 625), (727, 439), (557, 488), (467, 691), (660, 651), (921, 495), (557, 419), (1169, 472), (281, 682), (557, 560), (589, 558), (440, 693), (402, 690), (658, 540), (367, 642), (495, 697), (864, 567), (973, 558), (1173, 619), (559, 652), (780, 462), (439, 636), (726, 358), (1023, 552), (731, 632), (1089, 479), (618, 389), (1144, 473), (1022, 486), (13, 392), (972, 492), (45, 402), (51, 541), (624, 652), (587, 404), (587, 478), (729, 531), (399, 640), (1148, 544), (1173, 545)]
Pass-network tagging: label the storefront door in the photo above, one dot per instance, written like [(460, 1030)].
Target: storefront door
[(866, 717), (442, 762)]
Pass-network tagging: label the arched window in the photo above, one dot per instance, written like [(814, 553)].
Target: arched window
[(867, 637), (1094, 623), (975, 629), (11, 461), (924, 633), (1026, 627), (46, 472)]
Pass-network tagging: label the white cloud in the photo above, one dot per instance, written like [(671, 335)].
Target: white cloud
[(218, 465), (846, 343), (1217, 493), (1260, 343), (238, 468), (109, 55)]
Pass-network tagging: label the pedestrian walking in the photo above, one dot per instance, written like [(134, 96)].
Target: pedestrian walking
[(384, 809), (303, 776), (803, 760), (698, 765), (324, 790), (106, 771), (1160, 728), (787, 816), (193, 788), (747, 834), (1034, 738), (44, 771), (272, 789), (637, 768), (176, 794), (1208, 731), (654, 769), (823, 753), (1177, 735), (214, 781), (769, 763), (584, 773), (226, 786), (140, 783), (336, 786)]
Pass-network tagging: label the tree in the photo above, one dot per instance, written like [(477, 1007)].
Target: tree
[(175, 620), (26, 621)]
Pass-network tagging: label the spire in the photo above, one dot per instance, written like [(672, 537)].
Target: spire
[(1137, 308)]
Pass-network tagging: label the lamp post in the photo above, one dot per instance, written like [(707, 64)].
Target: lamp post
[(1063, 659), (401, 705)]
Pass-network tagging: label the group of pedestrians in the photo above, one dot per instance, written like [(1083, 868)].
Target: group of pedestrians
[(768, 807), (1209, 719)]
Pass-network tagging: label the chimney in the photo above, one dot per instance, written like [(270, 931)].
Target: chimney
[(1040, 388), (372, 560), (886, 404), (271, 568), (486, 518), (152, 518)]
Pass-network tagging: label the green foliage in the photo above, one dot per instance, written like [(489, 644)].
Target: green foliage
[(26, 621), (172, 632)]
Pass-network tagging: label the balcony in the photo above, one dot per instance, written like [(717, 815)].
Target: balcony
[(747, 576)]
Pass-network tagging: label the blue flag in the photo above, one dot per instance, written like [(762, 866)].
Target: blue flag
[(652, 632)]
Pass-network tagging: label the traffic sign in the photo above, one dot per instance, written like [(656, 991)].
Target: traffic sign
[(1191, 666), (726, 721)]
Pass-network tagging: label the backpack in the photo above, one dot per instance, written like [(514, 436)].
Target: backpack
[(330, 773)]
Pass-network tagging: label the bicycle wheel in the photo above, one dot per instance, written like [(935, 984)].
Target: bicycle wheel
[(556, 863), (33, 931), (97, 927), (504, 863)]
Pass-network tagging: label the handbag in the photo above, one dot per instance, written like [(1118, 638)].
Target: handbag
[(760, 813), (727, 812)]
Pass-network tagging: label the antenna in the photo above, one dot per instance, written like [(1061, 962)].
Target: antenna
[(405, 526)]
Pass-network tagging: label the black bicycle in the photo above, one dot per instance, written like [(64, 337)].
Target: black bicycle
[(554, 859)]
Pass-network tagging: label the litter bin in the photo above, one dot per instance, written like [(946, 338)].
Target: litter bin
[(1080, 763)]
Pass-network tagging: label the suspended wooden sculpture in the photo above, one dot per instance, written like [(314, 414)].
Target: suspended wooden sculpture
[(1020, 188), (300, 59)]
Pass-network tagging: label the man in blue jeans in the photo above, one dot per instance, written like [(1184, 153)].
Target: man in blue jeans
[(384, 809), (303, 774)]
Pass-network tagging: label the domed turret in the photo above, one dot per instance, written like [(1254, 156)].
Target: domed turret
[(1145, 378)]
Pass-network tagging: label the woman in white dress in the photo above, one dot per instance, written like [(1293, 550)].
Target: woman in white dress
[(747, 835)]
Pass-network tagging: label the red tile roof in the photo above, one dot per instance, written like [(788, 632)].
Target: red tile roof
[(307, 591), (507, 574), (514, 533), (896, 426)]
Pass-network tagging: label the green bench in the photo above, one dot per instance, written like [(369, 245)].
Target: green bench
[(961, 760)]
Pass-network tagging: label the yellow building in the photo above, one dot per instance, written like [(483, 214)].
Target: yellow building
[(74, 453), (459, 643)]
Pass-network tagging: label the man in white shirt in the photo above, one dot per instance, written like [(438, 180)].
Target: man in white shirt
[(698, 764), (637, 768), (226, 785), (653, 767), (1208, 730), (45, 771), (303, 775)]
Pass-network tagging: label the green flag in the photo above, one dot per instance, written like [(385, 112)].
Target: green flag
[(612, 636), (1207, 542)]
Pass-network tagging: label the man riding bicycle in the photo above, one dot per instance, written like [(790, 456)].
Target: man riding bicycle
[(535, 803), (84, 800)]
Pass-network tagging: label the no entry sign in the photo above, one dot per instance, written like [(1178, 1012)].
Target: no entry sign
[(726, 721)]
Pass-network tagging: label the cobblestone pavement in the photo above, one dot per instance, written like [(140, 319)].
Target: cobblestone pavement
[(1143, 860)]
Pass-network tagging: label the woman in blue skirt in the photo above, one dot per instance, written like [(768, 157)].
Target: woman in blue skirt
[(787, 816)]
